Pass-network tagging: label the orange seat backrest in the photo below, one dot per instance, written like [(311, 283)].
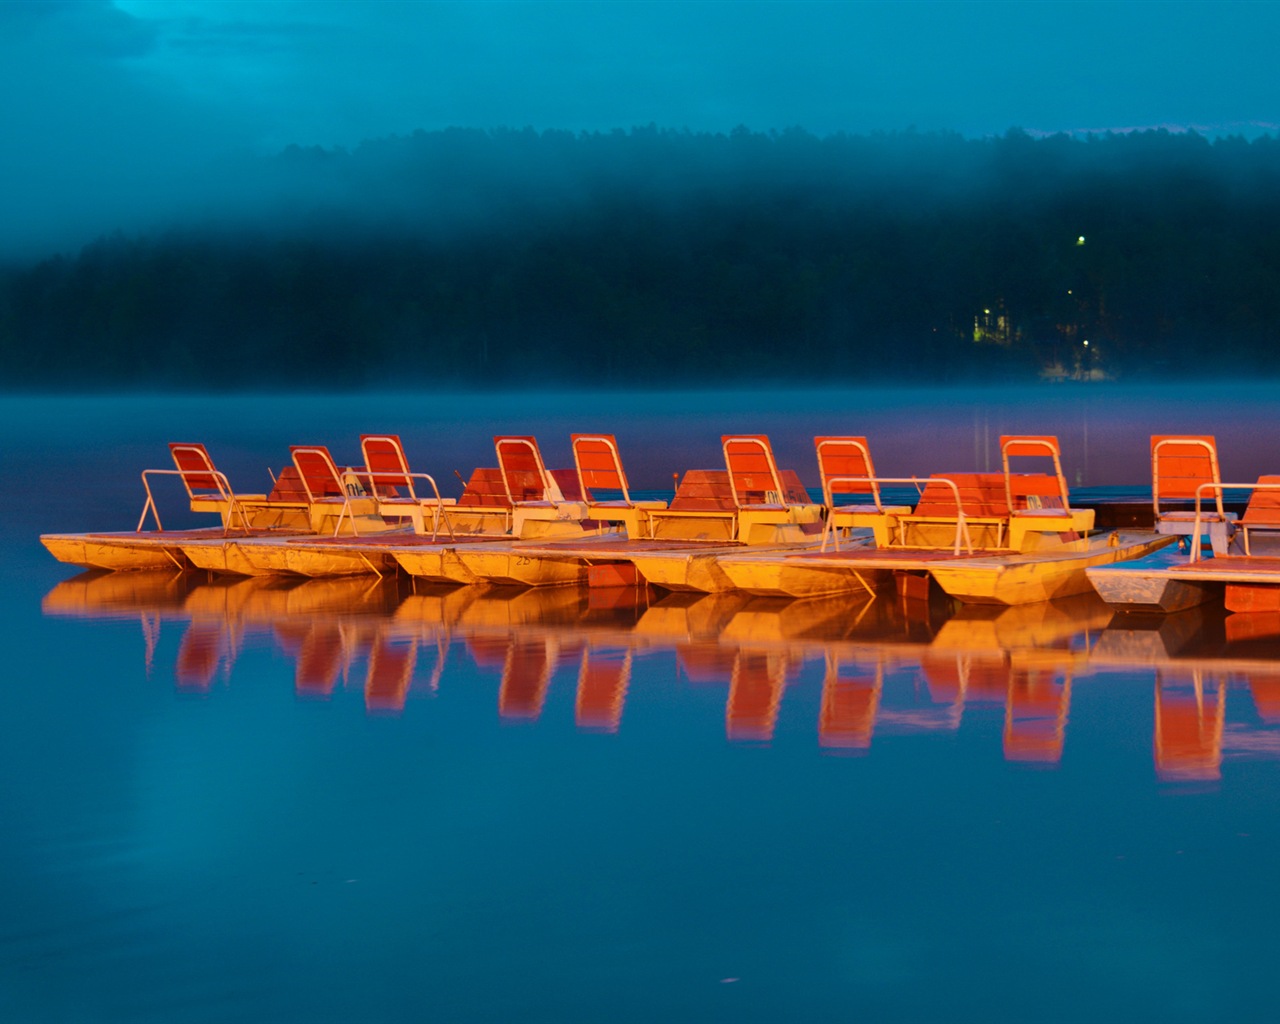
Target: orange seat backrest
[(1046, 489), (567, 481), (752, 470), (1180, 464), (1264, 505), (704, 490), (1030, 444), (599, 464), (793, 491), (318, 471), (195, 467), (981, 495), (1033, 490), (385, 462), (844, 457), (485, 488), (522, 467)]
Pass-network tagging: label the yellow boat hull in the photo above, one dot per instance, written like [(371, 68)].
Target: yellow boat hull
[(1028, 579), (118, 551)]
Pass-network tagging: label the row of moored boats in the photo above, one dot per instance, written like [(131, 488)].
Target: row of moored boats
[(1008, 537)]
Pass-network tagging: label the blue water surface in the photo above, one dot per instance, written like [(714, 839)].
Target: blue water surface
[(364, 802)]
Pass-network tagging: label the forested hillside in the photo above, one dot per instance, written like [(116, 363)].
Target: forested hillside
[(659, 257)]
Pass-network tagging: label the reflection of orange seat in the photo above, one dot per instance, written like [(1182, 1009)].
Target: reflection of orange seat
[(390, 669), (1266, 696), (946, 677), (289, 636), (1188, 728), (958, 678), (705, 663), (320, 659), (755, 694), (525, 675), (988, 682), (1036, 718), (602, 689), (487, 652), (849, 705), (201, 652)]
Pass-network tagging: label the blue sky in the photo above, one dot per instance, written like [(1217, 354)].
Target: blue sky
[(118, 111)]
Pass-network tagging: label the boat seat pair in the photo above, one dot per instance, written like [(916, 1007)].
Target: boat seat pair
[(209, 490), (750, 501), (1003, 509)]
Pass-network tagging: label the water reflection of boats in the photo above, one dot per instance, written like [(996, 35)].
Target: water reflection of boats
[(906, 666)]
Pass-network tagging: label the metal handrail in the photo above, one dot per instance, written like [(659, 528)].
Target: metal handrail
[(437, 504), (1218, 488), (224, 494), (962, 526)]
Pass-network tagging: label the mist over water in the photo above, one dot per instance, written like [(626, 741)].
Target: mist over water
[(663, 259)]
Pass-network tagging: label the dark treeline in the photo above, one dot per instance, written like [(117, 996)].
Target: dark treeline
[(655, 257)]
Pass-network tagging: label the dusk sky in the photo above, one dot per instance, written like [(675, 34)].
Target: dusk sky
[(117, 112)]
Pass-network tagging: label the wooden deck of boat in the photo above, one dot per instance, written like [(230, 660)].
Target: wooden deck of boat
[(395, 540), (898, 558), (1234, 569), (154, 537), (1173, 565), (620, 547), (1158, 583), (929, 559)]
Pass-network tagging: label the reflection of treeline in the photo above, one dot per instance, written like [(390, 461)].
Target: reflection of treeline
[(654, 256)]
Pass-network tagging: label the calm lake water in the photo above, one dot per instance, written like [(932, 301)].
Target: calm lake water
[(357, 801)]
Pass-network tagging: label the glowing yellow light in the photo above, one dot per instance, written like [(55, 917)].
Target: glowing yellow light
[(1086, 342), (1080, 240)]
